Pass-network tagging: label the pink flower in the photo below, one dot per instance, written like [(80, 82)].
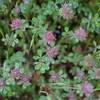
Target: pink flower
[(98, 73), (80, 74), (87, 88), (17, 9), (66, 12), (72, 96), (52, 52), (25, 79), (15, 73), (2, 83), (89, 61), (81, 34), (78, 49), (16, 23), (55, 77), (49, 37), (26, 1)]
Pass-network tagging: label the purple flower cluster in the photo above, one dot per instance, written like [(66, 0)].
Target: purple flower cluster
[(17, 9), (81, 34), (16, 74), (55, 77), (52, 52), (80, 74), (2, 82), (87, 88), (66, 12), (72, 96), (89, 61), (49, 37), (25, 79), (16, 23)]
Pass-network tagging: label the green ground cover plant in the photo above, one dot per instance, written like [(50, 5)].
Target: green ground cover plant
[(49, 49)]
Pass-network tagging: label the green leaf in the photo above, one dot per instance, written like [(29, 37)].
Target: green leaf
[(10, 40), (43, 98), (48, 97)]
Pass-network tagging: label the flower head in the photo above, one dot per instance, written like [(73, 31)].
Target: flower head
[(87, 88), (26, 1), (25, 79), (80, 74), (78, 49), (2, 82), (49, 37), (16, 73), (98, 73), (52, 52), (72, 96), (81, 34), (66, 12), (16, 23), (55, 77), (89, 61), (17, 9)]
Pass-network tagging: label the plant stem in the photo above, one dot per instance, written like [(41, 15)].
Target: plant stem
[(98, 89), (43, 92), (2, 34)]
